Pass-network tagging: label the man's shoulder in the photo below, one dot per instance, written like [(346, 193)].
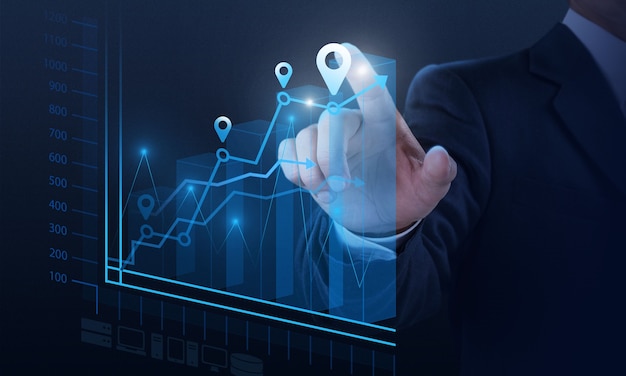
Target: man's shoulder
[(454, 81), (480, 71), (548, 54)]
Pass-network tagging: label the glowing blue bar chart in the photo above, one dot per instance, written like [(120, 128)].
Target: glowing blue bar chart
[(223, 231)]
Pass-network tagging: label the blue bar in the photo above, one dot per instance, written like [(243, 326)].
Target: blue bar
[(284, 241), (337, 209), (235, 246), (191, 264), (335, 273)]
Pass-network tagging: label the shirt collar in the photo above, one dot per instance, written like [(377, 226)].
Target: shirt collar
[(607, 50)]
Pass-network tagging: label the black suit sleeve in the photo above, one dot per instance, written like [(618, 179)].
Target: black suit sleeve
[(441, 110)]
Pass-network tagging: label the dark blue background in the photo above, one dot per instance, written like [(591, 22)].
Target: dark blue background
[(228, 50)]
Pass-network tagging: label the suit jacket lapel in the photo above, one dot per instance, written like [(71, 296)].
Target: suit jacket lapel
[(585, 101)]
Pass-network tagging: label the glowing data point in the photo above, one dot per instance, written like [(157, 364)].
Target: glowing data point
[(334, 76), (283, 78), (222, 130), (145, 203)]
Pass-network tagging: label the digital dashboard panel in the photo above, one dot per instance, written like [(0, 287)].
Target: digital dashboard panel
[(149, 132), (183, 251)]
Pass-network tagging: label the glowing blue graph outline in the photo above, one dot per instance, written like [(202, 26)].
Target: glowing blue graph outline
[(283, 100), (379, 81)]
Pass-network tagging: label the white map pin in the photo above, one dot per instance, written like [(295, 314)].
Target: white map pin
[(222, 132), (283, 79), (334, 76)]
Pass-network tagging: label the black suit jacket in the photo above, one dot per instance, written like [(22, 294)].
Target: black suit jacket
[(528, 247), (527, 251)]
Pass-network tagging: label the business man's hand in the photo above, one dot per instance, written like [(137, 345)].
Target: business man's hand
[(371, 175)]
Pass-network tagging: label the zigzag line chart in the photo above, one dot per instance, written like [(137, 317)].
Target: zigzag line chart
[(283, 100), (195, 242)]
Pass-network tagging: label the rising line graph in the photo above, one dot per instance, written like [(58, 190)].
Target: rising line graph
[(199, 195), (223, 156), (217, 208)]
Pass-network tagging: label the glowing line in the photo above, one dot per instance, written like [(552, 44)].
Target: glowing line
[(266, 175), (380, 81), (133, 183), (257, 300), (245, 243), (330, 228), (267, 217), (185, 199), (205, 192), (260, 153), (267, 135), (167, 234), (156, 195), (257, 314), (308, 103), (186, 182), (210, 183)]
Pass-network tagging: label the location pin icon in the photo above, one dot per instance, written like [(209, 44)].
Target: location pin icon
[(334, 76), (222, 132), (283, 79), (145, 204)]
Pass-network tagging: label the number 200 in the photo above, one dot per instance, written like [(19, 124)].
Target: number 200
[(58, 254)]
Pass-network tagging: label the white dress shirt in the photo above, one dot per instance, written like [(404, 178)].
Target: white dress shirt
[(366, 248)]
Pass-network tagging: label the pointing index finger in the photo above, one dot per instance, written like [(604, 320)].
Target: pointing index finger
[(367, 85)]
